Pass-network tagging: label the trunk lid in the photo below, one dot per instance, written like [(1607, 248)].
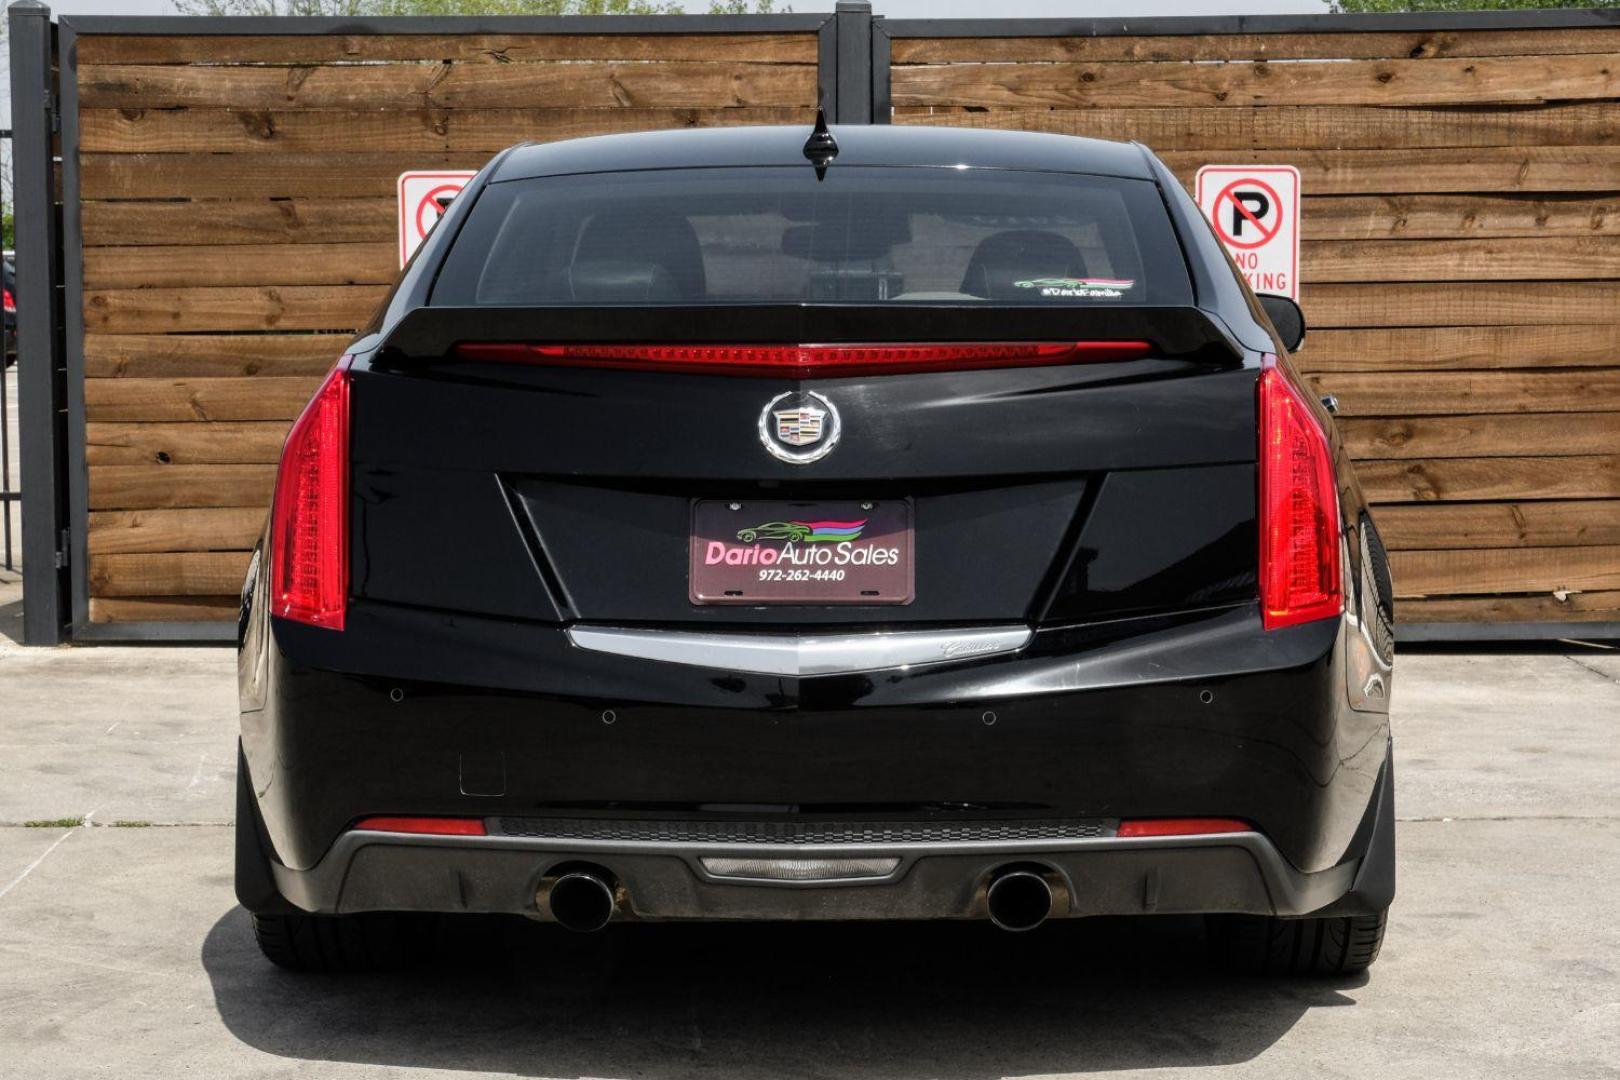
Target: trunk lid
[(1042, 493)]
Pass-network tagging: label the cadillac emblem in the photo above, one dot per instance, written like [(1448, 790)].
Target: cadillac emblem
[(799, 418)]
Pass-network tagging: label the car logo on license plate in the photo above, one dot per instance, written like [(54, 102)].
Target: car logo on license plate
[(799, 418)]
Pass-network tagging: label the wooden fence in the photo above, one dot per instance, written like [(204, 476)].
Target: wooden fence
[(1460, 262), (1461, 259), (238, 219)]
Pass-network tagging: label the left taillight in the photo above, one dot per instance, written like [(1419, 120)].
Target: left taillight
[(309, 519), (1299, 509), (10, 301)]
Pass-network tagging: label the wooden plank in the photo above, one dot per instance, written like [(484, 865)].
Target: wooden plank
[(1437, 348), (1406, 44), (1378, 172), (1324, 172), (1601, 606), (603, 85), (244, 221), (106, 609), (463, 48), (1530, 435), (1439, 526), (210, 355), (1309, 127), (152, 487), (256, 176), (1374, 217), (179, 573), (1595, 476), (1463, 304), (1346, 217), (228, 442), (274, 307), (1068, 85), (259, 398), (421, 130), (123, 532), (1504, 570), (178, 266), (1520, 258), (1435, 393), (372, 175)]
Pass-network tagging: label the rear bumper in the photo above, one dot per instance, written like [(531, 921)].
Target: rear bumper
[(944, 879), (419, 713)]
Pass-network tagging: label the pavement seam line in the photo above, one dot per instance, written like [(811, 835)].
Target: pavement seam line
[(1599, 672), (31, 867), (121, 824)]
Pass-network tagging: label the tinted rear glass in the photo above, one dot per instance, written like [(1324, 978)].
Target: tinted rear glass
[(778, 235)]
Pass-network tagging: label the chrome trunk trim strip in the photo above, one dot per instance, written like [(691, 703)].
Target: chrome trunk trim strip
[(802, 654)]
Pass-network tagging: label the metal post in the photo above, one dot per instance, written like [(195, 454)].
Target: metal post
[(7, 560), (854, 80), (882, 64), (7, 496), (40, 380), (827, 67)]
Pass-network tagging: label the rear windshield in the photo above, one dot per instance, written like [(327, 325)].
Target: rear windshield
[(778, 235)]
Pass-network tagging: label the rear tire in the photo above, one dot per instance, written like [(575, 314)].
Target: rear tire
[(1263, 945), (373, 941)]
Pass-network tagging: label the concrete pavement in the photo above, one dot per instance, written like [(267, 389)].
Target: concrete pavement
[(121, 949)]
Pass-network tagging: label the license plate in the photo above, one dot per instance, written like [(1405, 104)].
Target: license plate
[(790, 552)]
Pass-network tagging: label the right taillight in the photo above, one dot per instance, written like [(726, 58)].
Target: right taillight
[(1299, 509), (309, 519)]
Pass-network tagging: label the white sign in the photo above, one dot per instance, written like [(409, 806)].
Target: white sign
[(1255, 211), (419, 209)]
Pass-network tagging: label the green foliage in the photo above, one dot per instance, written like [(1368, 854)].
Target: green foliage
[(351, 8), (1374, 6), (10, 228)]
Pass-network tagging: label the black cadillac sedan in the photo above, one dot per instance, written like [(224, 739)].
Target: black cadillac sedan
[(775, 524)]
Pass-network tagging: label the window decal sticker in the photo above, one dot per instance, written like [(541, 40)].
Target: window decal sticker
[(1084, 288)]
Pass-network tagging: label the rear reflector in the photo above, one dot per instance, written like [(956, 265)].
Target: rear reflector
[(1194, 826), (309, 520), (811, 361), (432, 826), (1299, 509), (773, 869)]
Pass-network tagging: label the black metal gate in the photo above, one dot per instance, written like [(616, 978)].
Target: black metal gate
[(9, 496), (41, 377)]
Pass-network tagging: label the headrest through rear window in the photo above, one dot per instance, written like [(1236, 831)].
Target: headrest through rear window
[(615, 281), (653, 250)]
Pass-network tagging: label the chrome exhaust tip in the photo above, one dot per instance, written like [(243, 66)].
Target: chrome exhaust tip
[(1018, 899), (580, 900)]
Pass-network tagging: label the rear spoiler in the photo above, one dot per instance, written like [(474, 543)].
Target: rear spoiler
[(431, 333)]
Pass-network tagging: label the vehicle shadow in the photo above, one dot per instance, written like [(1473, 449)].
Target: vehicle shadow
[(960, 1001)]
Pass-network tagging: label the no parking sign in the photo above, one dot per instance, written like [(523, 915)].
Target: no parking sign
[(1255, 211), (419, 198)]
